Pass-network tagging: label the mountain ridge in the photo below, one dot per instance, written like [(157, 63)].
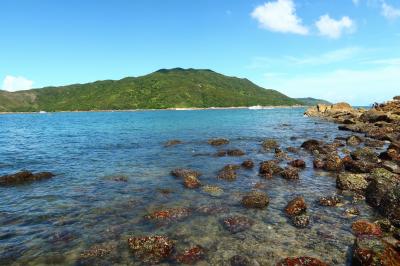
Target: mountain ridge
[(162, 89)]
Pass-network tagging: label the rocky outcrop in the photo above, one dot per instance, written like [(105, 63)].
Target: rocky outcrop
[(23, 177)]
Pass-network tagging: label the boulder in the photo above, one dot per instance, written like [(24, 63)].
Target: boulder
[(151, 249), (373, 251), (311, 145), (255, 200), (191, 182), (269, 168), (23, 177), (353, 182), (333, 163), (362, 227), (218, 142), (185, 173), (373, 115), (290, 173), (390, 205), (248, 164), (296, 206), (298, 163), (365, 154), (381, 182), (228, 172)]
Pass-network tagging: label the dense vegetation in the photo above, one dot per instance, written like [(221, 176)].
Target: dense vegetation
[(312, 101), (174, 88)]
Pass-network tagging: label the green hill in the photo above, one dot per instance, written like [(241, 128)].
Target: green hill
[(312, 101), (173, 88)]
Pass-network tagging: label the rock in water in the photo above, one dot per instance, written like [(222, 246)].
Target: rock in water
[(248, 164), (290, 173), (183, 173), (172, 142), (190, 256), (372, 251), (236, 224), (296, 206), (23, 177), (255, 200), (269, 168), (353, 182), (218, 142), (362, 227), (151, 249)]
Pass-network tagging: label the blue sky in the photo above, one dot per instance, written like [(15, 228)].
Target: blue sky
[(341, 52)]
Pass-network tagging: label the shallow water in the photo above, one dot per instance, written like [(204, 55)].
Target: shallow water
[(52, 222)]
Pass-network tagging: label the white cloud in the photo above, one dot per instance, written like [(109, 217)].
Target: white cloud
[(332, 28), (356, 2), (279, 16), (11, 83), (389, 11)]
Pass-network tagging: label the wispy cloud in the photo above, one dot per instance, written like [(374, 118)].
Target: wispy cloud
[(390, 12), (279, 16), (12, 83)]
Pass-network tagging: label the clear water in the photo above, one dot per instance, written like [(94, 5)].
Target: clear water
[(52, 222)]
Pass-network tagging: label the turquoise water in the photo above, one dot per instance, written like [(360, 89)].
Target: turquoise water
[(53, 222)]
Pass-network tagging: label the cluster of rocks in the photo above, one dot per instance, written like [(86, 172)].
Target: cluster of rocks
[(24, 177)]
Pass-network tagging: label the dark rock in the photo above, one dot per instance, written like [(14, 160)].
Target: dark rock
[(330, 201), (183, 173), (236, 224), (172, 142), (373, 115), (358, 166), (255, 200), (228, 172), (372, 251), (311, 145), (301, 221), (290, 173), (333, 163), (190, 256), (353, 182), (218, 142), (239, 260), (298, 163), (296, 206), (235, 152), (269, 168), (365, 154), (24, 177), (248, 164), (151, 249), (191, 182), (270, 144), (390, 205), (385, 225), (362, 227), (301, 261), (381, 182)]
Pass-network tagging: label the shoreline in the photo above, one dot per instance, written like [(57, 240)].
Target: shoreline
[(168, 109)]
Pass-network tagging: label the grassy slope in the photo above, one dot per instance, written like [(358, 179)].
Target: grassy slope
[(158, 90)]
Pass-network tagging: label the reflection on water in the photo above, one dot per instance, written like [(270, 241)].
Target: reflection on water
[(113, 169)]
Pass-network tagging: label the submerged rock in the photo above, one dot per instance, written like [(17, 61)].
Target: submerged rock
[(269, 168), (301, 221), (298, 163), (239, 260), (330, 201), (353, 182), (151, 249), (191, 182), (172, 142), (172, 214), (191, 255), (24, 177), (235, 152), (301, 261), (290, 173), (248, 164), (215, 191), (270, 144), (218, 142), (362, 227), (236, 224), (255, 200), (98, 251), (228, 172), (373, 251), (296, 206), (183, 173)]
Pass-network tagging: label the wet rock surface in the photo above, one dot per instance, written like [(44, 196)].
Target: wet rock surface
[(296, 206), (191, 255), (269, 168), (255, 200), (353, 182), (362, 227), (24, 177), (151, 249), (371, 250), (228, 172)]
